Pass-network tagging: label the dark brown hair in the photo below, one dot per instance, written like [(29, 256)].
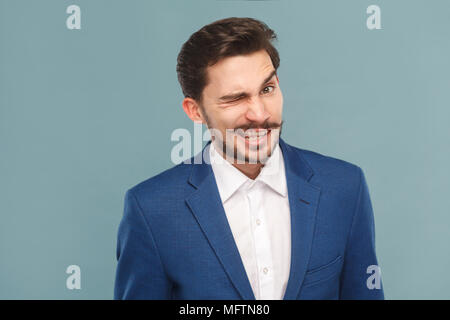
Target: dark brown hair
[(220, 39)]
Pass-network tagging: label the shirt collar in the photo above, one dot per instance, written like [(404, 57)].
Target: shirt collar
[(229, 179)]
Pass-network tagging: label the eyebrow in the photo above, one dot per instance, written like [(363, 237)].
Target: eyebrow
[(239, 95)]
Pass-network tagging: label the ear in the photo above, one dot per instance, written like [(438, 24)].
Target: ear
[(192, 109), (278, 80)]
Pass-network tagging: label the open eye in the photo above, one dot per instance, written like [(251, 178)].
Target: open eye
[(268, 89)]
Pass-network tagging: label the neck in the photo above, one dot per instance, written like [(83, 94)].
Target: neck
[(250, 170)]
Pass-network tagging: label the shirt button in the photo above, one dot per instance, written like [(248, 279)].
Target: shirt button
[(258, 222), (265, 270)]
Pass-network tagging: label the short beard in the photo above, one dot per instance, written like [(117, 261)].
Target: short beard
[(230, 150)]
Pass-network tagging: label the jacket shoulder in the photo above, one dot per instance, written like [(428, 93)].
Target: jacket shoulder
[(322, 163), (169, 182), (331, 171)]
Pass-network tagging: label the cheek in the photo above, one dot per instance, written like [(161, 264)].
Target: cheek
[(281, 105), (275, 105), (233, 116), (221, 124)]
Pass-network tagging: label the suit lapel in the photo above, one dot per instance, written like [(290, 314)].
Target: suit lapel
[(303, 202), (207, 208)]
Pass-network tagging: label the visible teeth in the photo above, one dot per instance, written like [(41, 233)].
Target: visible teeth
[(255, 134)]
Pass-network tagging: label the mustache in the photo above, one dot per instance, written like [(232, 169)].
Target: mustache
[(265, 125)]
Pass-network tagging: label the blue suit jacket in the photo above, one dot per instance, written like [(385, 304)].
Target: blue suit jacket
[(174, 241)]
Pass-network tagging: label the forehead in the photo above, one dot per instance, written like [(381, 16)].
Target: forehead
[(238, 73)]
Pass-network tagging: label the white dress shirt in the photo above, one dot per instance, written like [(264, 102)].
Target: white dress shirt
[(259, 217)]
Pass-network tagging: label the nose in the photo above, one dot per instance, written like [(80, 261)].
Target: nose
[(256, 111)]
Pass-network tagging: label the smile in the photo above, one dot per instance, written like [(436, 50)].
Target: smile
[(254, 137), (253, 134)]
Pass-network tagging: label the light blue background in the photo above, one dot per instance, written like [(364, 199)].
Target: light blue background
[(86, 114)]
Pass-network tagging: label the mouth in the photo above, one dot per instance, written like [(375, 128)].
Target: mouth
[(255, 137)]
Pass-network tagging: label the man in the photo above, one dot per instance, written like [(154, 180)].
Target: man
[(269, 221)]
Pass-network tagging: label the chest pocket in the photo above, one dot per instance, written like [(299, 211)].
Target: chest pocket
[(323, 273)]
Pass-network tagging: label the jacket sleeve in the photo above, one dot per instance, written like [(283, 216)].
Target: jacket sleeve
[(361, 275), (140, 273)]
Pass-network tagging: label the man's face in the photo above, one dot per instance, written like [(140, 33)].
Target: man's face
[(243, 103)]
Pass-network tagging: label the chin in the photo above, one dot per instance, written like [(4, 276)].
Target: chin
[(252, 156)]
